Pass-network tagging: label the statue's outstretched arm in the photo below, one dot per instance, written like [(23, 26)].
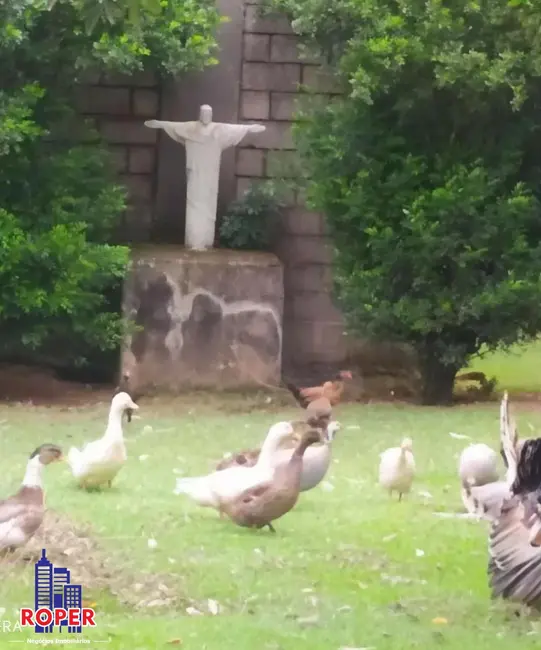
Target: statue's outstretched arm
[(159, 124), (178, 131)]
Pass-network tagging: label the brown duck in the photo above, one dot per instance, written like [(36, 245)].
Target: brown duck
[(258, 507), (22, 514)]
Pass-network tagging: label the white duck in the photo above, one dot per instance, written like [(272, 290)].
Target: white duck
[(397, 468), (478, 465), (226, 484), (100, 461), (316, 458)]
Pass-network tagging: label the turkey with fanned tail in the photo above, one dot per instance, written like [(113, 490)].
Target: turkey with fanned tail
[(515, 539)]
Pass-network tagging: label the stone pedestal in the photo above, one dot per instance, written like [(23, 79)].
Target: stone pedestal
[(204, 318)]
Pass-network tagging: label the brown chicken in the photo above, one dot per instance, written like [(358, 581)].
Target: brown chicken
[(319, 400), (330, 390), (258, 507)]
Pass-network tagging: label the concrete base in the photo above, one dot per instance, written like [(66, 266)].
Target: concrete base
[(208, 319)]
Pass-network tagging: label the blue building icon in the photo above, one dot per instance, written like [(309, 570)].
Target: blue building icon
[(53, 589)]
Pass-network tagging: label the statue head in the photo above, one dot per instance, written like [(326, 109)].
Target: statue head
[(205, 114)]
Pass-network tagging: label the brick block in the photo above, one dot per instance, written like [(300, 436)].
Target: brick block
[(142, 160), (244, 184), (276, 136), (316, 306), (299, 341), (145, 79), (255, 105), (298, 221), (104, 100), (269, 24), (331, 339), (137, 223), (271, 76), (145, 102), (298, 250), (127, 132), (320, 79), (256, 47), (282, 164), (139, 187), (120, 158), (282, 106), (90, 77), (284, 48), (250, 162), (306, 278)]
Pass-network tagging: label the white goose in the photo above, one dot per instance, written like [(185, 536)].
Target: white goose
[(226, 484), (100, 461)]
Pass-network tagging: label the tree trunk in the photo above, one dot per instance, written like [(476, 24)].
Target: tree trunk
[(437, 380)]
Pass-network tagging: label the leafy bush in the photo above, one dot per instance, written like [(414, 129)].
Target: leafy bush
[(250, 222), (59, 203), (429, 170)]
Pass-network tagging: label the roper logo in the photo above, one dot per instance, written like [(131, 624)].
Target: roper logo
[(57, 602)]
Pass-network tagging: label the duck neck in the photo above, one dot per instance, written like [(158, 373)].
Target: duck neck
[(403, 454), (32, 476), (302, 447), (269, 447), (114, 425)]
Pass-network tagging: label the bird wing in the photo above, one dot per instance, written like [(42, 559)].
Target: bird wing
[(515, 564), (255, 493), (313, 392), (486, 500), (11, 509)]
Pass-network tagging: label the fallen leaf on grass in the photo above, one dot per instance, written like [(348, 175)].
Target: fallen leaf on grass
[(175, 642), (459, 436), (86, 603), (439, 620), (454, 515)]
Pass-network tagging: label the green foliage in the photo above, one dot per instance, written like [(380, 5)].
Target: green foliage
[(250, 222), (429, 170), (59, 204)]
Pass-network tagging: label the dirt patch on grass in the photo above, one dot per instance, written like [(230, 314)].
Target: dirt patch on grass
[(72, 546), (40, 386)]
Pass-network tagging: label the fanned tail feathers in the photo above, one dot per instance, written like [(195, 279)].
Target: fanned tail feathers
[(508, 440)]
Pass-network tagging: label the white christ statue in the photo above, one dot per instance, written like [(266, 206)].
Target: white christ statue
[(204, 141)]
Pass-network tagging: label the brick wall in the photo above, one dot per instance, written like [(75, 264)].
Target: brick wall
[(270, 73), (120, 105), (272, 70)]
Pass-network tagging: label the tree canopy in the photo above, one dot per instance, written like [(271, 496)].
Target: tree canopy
[(60, 202), (428, 168)]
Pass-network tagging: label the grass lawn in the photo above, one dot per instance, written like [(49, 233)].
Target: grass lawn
[(348, 568), (518, 370)]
